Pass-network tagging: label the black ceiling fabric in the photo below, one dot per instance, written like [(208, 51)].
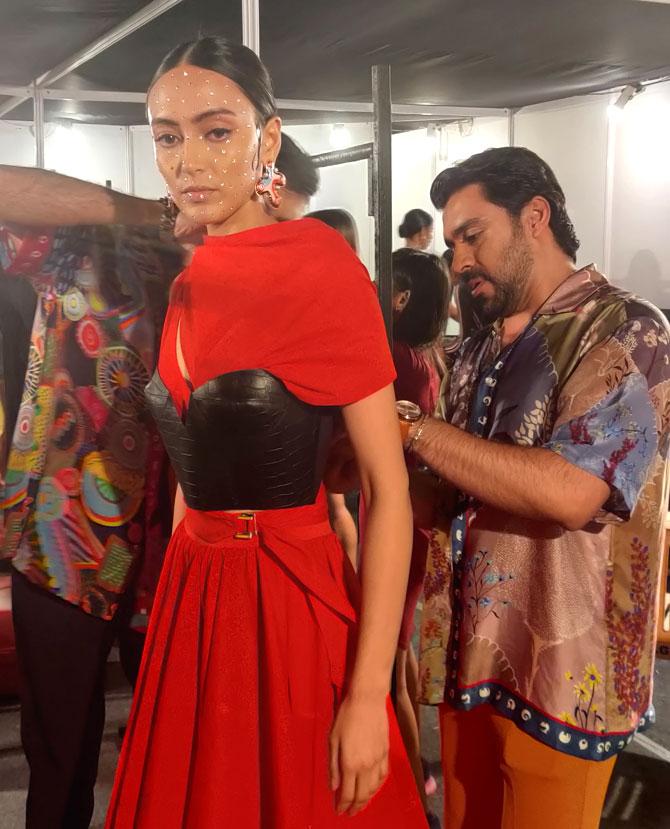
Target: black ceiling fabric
[(36, 35), (499, 53)]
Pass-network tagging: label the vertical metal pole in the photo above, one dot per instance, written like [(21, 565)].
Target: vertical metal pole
[(610, 157), (510, 127), (38, 125), (130, 161), (251, 25), (382, 188)]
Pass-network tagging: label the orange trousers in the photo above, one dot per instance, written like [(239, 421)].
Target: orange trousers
[(497, 777)]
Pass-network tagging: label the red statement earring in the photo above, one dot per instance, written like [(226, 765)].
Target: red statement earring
[(269, 184)]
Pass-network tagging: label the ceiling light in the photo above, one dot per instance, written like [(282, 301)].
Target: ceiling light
[(616, 109)]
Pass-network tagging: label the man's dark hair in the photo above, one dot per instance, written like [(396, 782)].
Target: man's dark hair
[(302, 177), (510, 177)]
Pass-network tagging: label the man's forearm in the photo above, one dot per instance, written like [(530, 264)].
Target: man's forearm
[(529, 482), (39, 198)]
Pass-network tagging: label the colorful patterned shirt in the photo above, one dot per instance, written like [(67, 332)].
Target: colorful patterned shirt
[(3, 415), (77, 513), (556, 628)]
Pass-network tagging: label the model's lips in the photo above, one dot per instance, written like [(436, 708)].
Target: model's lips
[(197, 193)]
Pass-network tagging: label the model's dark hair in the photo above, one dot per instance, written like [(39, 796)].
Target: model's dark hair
[(296, 164), (510, 177), (232, 60), (425, 314), (414, 222), (340, 220)]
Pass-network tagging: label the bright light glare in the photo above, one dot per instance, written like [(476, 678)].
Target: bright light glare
[(65, 149), (615, 113), (340, 137)]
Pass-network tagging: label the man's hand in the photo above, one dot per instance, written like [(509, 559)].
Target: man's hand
[(423, 491), (187, 232), (40, 198), (341, 473)]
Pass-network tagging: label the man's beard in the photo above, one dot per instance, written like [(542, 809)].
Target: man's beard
[(509, 283)]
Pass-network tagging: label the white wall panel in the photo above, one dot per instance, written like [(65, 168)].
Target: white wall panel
[(572, 138)]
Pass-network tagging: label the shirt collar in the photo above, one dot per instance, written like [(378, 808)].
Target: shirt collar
[(574, 291)]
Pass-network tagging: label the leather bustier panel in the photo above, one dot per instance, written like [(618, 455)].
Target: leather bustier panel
[(245, 442)]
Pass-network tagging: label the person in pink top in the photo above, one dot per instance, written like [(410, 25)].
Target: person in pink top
[(420, 303)]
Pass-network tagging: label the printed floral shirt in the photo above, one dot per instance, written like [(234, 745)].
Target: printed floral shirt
[(76, 509), (556, 628)]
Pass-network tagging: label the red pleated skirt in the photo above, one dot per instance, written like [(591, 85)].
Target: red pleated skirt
[(247, 653)]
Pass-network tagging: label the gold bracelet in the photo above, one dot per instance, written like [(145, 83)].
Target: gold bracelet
[(417, 435)]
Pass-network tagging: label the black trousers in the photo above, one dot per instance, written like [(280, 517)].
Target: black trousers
[(62, 652)]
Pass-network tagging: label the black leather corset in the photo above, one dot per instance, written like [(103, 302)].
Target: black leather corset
[(245, 442)]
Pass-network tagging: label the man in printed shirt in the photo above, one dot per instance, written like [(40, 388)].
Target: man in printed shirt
[(81, 493), (541, 587)]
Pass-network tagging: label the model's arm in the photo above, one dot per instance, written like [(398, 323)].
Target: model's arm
[(359, 740)]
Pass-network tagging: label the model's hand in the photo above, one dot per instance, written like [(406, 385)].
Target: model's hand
[(359, 747)]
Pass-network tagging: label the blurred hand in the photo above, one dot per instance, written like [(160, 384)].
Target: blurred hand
[(423, 491), (188, 232), (341, 473)]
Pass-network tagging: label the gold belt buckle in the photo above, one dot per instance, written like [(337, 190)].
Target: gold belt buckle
[(248, 534)]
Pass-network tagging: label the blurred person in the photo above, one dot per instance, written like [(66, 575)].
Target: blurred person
[(340, 220), (420, 302), (541, 593), (302, 180), (81, 501), (417, 229), (17, 311), (343, 509)]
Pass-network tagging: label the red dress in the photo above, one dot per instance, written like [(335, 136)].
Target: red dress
[(250, 641)]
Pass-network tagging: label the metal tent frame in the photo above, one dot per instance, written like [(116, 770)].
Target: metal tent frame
[(380, 108)]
